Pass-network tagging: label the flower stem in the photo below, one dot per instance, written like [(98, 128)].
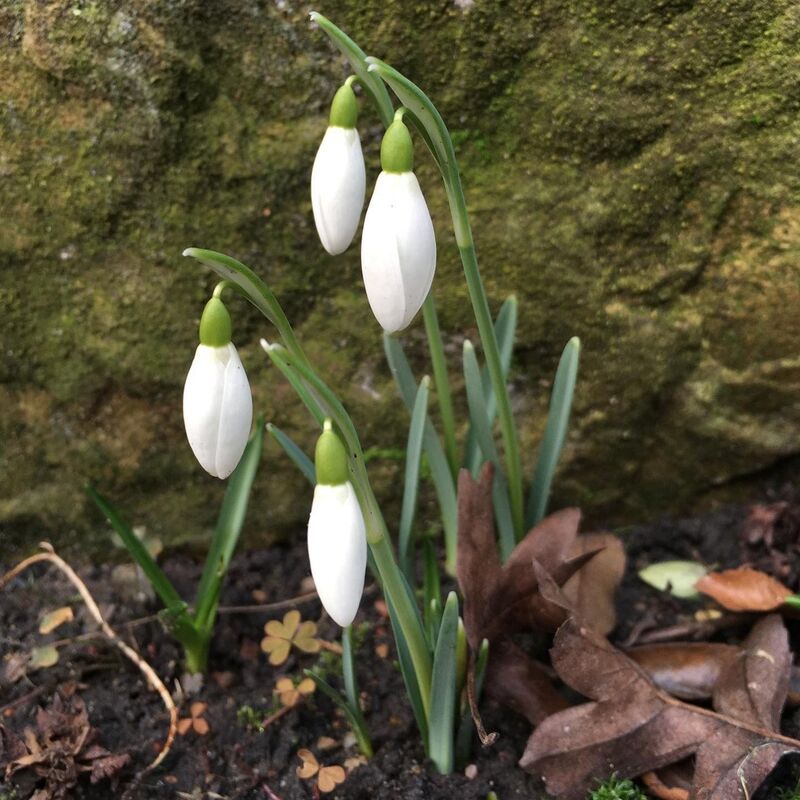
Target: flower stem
[(441, 381), (491, 353)]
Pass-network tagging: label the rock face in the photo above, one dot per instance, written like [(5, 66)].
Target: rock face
[(631, 168)]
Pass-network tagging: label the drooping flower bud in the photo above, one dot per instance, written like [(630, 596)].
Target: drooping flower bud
[(338, 178), (217, 404), (337, 539), (398, 245)]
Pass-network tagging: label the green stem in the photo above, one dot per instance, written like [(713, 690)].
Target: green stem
[(197, 655), (491, 353), (443, 395), (793, 601)]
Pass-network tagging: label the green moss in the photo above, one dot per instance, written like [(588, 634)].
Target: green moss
[(628, 169), (615, 789)]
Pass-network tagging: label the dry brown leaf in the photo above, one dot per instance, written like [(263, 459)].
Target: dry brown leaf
[(753, 687), (630, 727), (744, 589), (592, 589), (688, 670), (52, 620), (60, 749)]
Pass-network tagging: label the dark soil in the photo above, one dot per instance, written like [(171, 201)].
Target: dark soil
[(235, 759)]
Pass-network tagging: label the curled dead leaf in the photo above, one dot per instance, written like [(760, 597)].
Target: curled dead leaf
[(744, 589)]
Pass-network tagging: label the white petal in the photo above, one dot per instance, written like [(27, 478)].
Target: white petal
[(338, 186), (217, 408), (337, 550), (398, 250)]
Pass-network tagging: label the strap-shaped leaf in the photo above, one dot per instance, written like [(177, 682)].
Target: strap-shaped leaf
[(555, 431), (158, 580), (357, 58), (228, 529), (443, 689), (479, 419), (298, 457), (440, 471), (505, 327), (419, 417)]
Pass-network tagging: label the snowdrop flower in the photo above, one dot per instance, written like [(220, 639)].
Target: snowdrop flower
[(217, 404), (398, 246), (338, 179), (337, 539)]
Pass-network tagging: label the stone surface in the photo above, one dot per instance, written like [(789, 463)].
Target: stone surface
[(631, 168)]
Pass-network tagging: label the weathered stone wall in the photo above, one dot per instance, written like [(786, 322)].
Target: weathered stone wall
[(631, 167)]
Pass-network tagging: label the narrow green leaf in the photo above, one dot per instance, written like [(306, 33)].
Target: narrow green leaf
[(298, 457), (357, 58), (505, 327), (408, 673), (227, 530), (354, 716), (440, 470), (479, 421), (159, 581), (555, 431), (443, 692), (419, 417)]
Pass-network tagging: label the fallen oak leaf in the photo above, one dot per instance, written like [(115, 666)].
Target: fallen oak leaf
[(744, 589), (631, 727)]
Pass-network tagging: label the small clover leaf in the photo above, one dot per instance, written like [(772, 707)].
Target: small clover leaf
[(282, 635), (289, 694)]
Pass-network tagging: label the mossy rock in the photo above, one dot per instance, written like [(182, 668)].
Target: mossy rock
[(630, 168)]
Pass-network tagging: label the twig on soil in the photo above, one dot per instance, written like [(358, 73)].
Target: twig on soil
[(255, 609), (692, 629), (270, 794), (150, 674), (656, 786)]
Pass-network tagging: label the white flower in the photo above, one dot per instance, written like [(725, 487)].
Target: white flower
[(338, 185), (337, 550), (398, 250), (217, 408)]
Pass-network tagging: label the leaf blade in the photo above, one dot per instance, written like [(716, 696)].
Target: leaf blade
[(555, 431)]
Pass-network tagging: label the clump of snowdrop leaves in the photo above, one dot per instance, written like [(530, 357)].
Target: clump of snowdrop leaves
[(338, 178), (217, 404), (398, 245), (337, 540)]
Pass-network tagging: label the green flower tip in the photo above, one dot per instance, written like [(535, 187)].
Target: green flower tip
[(330, 458), (397, 149), (344, 108), (215, 324)]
